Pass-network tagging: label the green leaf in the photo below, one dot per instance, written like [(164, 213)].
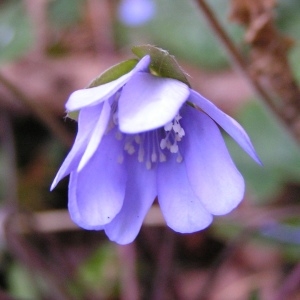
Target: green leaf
[(21, 284), (99, 274), (73, 115), (181, 28), (114, 72), (109, 75), (162, 63), (65, 13)]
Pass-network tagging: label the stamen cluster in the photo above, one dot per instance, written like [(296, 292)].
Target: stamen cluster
[(152, 146)]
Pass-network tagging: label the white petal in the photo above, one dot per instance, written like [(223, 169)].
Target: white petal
[(73, 206), (92, 96), (232, 127), (96, 193), (149, 102), (96, 136), (182, 209), (88, 118), (210, 169)]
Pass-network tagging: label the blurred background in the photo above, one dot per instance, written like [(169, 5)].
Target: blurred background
[(49, 48)]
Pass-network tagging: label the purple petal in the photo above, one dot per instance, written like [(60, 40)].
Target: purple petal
[(149, 102), (73, 207), (182, 209), (232, 127), (88, 118), (210, 169), (96, 193), (92, 96), (96, 136), (140, 194)]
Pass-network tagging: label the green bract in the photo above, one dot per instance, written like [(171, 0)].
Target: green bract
[(109, 75), (162, 63), (114, 72)]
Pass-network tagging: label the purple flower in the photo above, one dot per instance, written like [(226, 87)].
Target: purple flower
[(139, 137), (136, 12)]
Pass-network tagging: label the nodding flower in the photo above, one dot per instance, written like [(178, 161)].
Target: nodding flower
[(143, 136)]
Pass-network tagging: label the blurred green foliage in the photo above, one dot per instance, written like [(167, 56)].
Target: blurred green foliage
[(180, 28), (99, 274), (16, 35), (288, 22), (61, 14), (21, 283)]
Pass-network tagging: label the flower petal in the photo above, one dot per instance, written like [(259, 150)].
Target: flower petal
[(88, 118), (92, 96), (140, 194), (73, 207), (96, 193), (96, 136), (232, 127), (149, 102), (210, 169), (182, 209)]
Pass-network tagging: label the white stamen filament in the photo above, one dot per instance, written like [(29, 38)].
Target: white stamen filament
[(174, 148), (152, 147)]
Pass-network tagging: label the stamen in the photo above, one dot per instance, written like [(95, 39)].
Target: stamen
[(163, 144), (148, 165), (162, 157), (115, 118), (129, 147), (141, 153), (168, 126), (154, 157), (154, 146), (137, 138), (174, 148), (179, 158), (176, 127), (178, 117)]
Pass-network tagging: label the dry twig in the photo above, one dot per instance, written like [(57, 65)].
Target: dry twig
[(269, 72)]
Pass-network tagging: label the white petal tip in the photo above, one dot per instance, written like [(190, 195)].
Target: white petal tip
[(53, 185)]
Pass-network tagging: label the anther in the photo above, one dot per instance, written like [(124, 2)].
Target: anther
[(174, 148), (153, 157), (179, 158), (163, 144), (168, 126)]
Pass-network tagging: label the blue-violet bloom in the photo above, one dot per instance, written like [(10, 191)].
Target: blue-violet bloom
[(136, 12), (141, 137)]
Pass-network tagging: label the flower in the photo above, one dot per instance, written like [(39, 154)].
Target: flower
[(140, 136), (136, 12)]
